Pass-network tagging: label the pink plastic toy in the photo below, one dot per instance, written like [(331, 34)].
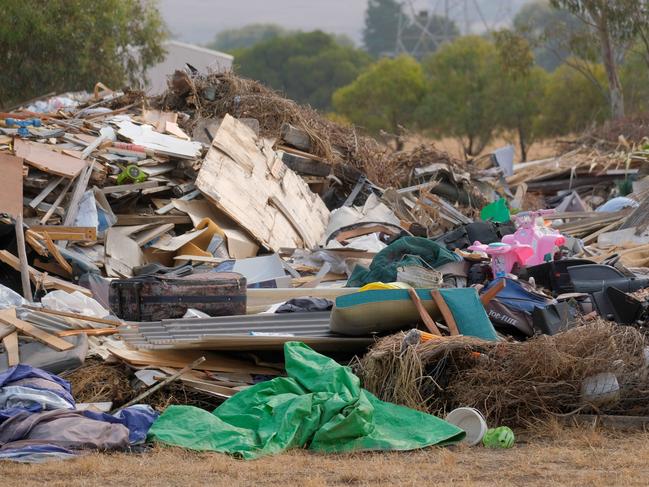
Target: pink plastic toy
[(504, 256), (532, 232)]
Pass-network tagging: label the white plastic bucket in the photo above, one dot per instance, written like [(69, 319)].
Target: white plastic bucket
[(471, 421)]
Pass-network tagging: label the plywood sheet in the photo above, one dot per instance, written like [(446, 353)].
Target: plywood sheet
[(11, 196), (243, 176), (48, 160)]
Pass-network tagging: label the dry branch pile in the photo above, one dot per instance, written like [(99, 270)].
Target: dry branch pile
[(512, 383)]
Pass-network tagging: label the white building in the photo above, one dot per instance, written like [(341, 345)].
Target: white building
[(179, 53)]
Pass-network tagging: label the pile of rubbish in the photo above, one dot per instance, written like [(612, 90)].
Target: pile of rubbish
[(218, 255)]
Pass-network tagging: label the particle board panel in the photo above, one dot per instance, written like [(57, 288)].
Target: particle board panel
[(243, 176), (11, 197), (48, 160)]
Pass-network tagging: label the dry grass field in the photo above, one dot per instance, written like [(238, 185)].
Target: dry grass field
[(558, 456)]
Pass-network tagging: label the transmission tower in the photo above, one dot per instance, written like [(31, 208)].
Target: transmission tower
[(415, 33)]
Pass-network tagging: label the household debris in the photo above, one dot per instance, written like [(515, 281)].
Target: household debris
[(196, 248)]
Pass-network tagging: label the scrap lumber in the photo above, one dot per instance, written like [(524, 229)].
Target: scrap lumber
[(22, 258), (87, 331), (45, 192), (56, 203), (77, 194), (10, 343), (47, 281), (122, 188), (42, 157), (296, 137), (8, 317), (73, 234), (124, 220), (445, 311), (6, 330), (54, 252), (423, 314)]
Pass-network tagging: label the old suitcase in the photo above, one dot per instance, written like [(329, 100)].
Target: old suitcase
[(154, 298)]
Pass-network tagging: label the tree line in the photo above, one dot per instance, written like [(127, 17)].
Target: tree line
[(562, 66)]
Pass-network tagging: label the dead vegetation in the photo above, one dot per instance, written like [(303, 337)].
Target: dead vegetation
[(513, 383), (554, 456)]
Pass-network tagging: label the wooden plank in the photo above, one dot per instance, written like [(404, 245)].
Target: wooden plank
[(45, 193), (423, 314), (10, 343), (54, 252), (6, 330), (77, 194), (49, 282), (22, 258), (56, 203), (87, 331), (296, 152), (244, 195), (446, 312), (149, 235), (493, 292), (11, 197), (42, 157), (170, 206), (122, 188), (296, 137), (76, 234), (52, 268), (593, 236), (8, 317), (205, 386), (128, 220)]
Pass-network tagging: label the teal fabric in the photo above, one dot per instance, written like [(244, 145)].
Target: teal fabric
[(320, 406), (469, 313), (416, 251), (380, 296)]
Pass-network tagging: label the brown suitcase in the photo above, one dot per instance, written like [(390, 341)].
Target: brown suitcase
[(154, 298)]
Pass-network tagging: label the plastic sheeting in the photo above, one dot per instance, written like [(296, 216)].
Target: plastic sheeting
[(320, 405)]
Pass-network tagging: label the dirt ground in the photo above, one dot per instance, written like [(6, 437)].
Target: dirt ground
[(571, 457)]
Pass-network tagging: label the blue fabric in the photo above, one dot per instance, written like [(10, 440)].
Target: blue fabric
[(37, 453), (21, 371), (516, 297), (138, 419), (469, 313), (5, 414)]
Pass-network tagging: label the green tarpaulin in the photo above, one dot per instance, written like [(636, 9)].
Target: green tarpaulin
[(406, 251), (320, 406)]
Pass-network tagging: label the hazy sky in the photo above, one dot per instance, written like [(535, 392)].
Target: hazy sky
[(197, 21)]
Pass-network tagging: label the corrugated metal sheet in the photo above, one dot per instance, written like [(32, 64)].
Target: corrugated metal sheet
[(237, 333)]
